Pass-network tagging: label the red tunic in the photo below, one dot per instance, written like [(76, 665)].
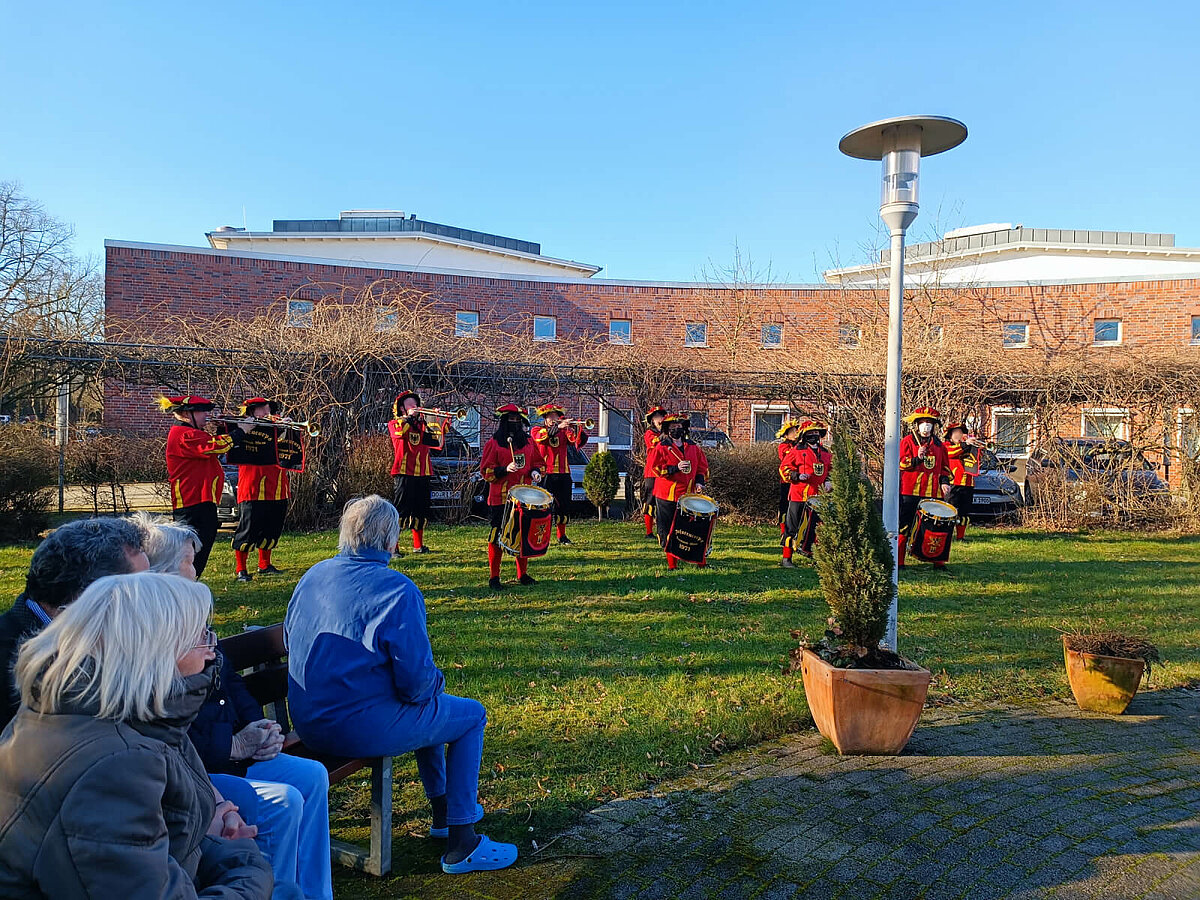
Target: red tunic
[(672, 486), (193, 465), (815, 462), (650, 439), (784, 448), (262, 483), (411, 445), (923, 477), (962, 457), (497, 456), (553, 450)]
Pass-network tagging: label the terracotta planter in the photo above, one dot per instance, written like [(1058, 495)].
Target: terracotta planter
[(864, 711), (1102, 683)]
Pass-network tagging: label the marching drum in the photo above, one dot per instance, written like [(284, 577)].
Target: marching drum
[(692, 528), (527, 521), (932, 531)]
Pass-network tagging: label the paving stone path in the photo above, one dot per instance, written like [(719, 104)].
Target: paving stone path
[(1033, 802)]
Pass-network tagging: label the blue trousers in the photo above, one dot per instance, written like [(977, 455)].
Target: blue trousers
[(293, 822)]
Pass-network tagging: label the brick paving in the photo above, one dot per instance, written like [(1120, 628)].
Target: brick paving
[(986, 802)]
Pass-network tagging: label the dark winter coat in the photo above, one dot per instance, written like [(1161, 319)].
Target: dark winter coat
[(228, 710)]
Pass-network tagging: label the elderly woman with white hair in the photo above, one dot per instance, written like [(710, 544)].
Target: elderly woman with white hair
[(362, 681), (289, 795), (101, 793)]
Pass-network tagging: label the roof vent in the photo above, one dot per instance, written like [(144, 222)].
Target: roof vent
[(978, 229), (371, 214), (225, 229)]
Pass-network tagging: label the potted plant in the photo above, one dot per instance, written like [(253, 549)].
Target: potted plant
[(1105, 668), (864, 698), (601, 480)]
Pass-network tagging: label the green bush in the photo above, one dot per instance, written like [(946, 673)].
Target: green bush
[(745, 482), (28, 467), (601, 479)]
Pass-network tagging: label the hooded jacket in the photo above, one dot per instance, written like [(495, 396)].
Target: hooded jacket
[(93, 807)]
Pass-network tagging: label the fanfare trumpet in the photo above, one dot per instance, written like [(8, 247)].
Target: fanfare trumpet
[(458, 414), (588, 424), (308, 428)]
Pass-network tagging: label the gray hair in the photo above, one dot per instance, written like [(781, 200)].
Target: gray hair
[(116, 646), (369, 523), (165, 541), (75, 555)]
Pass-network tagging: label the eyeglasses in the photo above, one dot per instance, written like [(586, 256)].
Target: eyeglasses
[(208, 641)]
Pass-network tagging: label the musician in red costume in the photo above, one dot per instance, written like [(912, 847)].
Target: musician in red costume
[(787, 435), (679, 467), (509, 458), (194, 470), (963, 451), (262, 495), (654, 421), (413, 437), (552, 440), (806, 471), (924, 470)]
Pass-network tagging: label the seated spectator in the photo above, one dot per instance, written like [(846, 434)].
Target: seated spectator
[(101, 793), (66, 562), (361, 680), (241, 749)]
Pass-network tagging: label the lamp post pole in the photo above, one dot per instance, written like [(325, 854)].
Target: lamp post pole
[(899, 143)]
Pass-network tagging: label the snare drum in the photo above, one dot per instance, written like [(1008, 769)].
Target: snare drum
[(933, 531), (527, 521), (692, 528)]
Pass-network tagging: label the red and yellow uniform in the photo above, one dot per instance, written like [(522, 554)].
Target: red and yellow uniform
[(263, 483), (805, 470), (923, 476), (552, 442), (411, 444), (262, 495), (785, 447), (669, 482), (413, 439), (650, 441), (552, 446), (964, 466), (813, 461), (493, 466), (510, 444)]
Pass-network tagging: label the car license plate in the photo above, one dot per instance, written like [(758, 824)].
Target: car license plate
[(443, 495), (983, 500)]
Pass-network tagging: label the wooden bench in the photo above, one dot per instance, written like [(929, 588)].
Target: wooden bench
[(260, 655)]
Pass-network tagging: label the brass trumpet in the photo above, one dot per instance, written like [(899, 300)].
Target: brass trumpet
[(588, 424), (308, 428), (458, 414)]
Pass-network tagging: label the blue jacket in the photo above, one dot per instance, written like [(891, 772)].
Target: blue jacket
[(228, 710), (357, 650)]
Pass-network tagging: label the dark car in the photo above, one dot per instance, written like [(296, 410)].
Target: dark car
[(456, 478), (710, 438), (997, 495), (227, 508), (1111, 466)]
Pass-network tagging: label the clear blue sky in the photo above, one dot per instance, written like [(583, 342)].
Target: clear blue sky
[(643, 137)]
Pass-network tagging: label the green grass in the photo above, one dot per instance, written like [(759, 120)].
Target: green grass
[(612, 674)]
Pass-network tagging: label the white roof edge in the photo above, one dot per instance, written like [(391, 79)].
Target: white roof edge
[(462, 273), (406, 235), (968, 285)]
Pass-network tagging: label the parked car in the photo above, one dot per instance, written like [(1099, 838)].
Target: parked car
[(456, 475), (710, 438), (227, 508), (997, 495), (1124, 472)]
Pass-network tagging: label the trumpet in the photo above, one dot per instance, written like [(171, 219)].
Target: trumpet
[(588, 424), (458, 414), (309, 428)]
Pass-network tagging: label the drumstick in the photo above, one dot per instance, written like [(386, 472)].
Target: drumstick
[(511, 450)]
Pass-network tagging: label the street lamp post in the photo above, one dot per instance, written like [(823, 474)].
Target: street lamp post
[(899, 143)]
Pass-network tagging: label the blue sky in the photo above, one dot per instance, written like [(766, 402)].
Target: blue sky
[(643, 137)]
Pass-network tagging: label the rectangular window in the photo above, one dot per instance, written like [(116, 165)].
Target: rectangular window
[(849, 337), (618, 425), (468, 427), (466, 324), (935, 334), (386, 318), (1196, 329), (1013, 432), (772, 335), (1189, 435), (697, 419), (1106, 331), (1016, 334), (620, 331), (767, 421), (545, 328), (299, 313), (695, 334), (1107, 424)]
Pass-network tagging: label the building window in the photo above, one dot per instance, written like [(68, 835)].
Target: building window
[(849, 337), (1105, 424), (1196, 329), (468, 427), (620, 331), (534, 418), (697, 419), (1016, 334), (386, 318), (767, 422), (1013, 432), (545, 328), (1189, 435), (695, 334), (299, 313), (466, 324), (617, 424), (772, 335), (935, 334), (1106, 331)]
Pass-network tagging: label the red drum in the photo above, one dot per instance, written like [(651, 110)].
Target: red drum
[(933, 531), (527, 521), (692, 528)]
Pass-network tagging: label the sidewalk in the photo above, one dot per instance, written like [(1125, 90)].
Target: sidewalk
[(995, 802)]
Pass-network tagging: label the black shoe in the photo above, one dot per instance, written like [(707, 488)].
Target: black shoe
[(565, 540), (787, 563), (243, 577), (270, 570), (421, 549), (495, 585), (527, 579)]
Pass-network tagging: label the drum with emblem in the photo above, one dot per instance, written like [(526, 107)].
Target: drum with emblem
[(527, 521), (692, 528), (933, 531)]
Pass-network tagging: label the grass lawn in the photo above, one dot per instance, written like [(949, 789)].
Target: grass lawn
[(612, 674)]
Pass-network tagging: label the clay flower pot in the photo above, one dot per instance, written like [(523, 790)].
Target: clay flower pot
[(1102, 683), (864, 711)]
